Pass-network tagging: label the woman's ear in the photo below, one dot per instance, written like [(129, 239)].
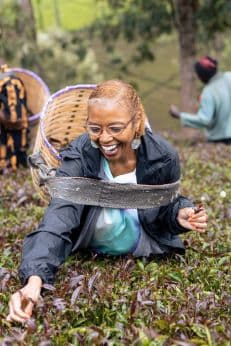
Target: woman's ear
[(138, 125)]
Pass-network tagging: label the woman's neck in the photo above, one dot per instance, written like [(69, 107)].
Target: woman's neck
[(122, 167)]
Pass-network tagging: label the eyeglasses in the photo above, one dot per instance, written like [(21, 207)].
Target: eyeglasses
[(112, 129)]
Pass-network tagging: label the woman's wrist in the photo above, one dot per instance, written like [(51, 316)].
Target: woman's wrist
[(35, 280)]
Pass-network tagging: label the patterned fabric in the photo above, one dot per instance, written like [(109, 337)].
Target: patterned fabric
[(117, 231), (13, 122)]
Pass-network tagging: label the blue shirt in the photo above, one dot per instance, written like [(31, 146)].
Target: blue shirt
[(117, 231), (214, 114)]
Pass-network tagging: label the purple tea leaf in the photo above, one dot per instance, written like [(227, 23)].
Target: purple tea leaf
[(76, 279), (49, 287), (59, 303), (147, 302), (31, 325), (45, 343), (139, 296), (75, 294), (92, 281), (5, 281)]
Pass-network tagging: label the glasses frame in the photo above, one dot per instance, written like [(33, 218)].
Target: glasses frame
[(123, 127)]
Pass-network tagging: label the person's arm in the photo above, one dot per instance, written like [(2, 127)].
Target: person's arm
[(205, 115), (46, 248), (180, 216), (167, 217)]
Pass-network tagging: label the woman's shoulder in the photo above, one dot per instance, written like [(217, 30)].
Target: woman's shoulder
[(157, 145)]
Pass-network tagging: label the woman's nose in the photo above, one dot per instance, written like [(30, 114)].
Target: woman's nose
[(105, 137)]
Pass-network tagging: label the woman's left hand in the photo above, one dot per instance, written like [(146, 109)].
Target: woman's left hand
[(192, 219)]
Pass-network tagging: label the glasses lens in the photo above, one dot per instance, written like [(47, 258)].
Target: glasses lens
[(115, 129), (95, 130)]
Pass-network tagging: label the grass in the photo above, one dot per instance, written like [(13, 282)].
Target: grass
[(68, 15), (125, 301)]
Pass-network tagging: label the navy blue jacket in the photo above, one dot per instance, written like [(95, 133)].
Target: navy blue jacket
[(67, 227)]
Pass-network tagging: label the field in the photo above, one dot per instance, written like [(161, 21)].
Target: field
[(70, 14), (184, 301), (157, 82)]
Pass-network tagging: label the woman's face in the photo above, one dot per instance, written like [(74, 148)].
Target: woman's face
[(112, 127)]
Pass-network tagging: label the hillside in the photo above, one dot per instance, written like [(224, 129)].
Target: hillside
[(123, 301)]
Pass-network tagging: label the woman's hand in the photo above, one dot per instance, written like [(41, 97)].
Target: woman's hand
[(193, 218), (22, 302)]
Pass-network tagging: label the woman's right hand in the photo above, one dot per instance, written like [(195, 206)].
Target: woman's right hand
[(22, 302)]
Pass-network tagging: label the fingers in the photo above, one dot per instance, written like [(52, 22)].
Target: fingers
[(29, 308), (18, 312), (199, 214), (199, 226), (198, 218)]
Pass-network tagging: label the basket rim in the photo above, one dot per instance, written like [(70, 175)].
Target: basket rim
[(39, 79), (49, 146)]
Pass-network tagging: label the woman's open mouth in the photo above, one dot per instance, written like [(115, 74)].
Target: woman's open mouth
[(109, 150)]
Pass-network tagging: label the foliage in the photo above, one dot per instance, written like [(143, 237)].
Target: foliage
[(72, 14), (142, 22), (123, 301), (60, 57), (213, 17), (139, 21), (12, 33), (66, 59)]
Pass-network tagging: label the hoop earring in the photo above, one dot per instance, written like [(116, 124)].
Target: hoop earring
[(135, 143), (94, 145)]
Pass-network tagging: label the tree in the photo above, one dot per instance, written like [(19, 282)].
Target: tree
[(184, 13), (140, 22), (60, 57)]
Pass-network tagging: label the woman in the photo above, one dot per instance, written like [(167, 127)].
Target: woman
[(116, 147)]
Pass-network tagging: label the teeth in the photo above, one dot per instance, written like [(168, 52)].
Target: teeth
[(112, 147)]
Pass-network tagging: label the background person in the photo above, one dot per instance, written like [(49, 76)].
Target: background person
[(117, 147), (214, 113), (13, 120)]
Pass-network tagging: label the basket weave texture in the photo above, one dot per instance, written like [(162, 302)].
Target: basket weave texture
[(62, 119), (37, 92)]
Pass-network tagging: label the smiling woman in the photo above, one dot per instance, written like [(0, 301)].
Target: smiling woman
[(121, 148)]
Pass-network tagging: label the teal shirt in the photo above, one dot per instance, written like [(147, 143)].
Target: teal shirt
[(214, 114), (117, 231)]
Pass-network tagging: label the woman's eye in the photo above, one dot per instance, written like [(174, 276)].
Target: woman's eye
[(94, 129), (115, 129)]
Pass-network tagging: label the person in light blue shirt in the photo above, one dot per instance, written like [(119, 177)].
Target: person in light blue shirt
[(214, 113)]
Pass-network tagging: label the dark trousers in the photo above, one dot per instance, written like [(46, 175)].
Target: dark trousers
[(223, 141)]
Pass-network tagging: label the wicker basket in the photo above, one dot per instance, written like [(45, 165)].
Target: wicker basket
[(37, 94), (62, 119)]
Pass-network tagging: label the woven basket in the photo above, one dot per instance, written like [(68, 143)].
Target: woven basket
[(62, 119), (37, 94)]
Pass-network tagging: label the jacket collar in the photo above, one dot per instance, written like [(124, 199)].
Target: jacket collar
[(150, 157)]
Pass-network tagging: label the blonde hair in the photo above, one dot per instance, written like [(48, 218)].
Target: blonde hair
[(123, 94)]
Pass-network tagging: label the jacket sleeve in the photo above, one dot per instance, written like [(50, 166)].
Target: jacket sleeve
[(47, 247), (205, 115), (167, 216)]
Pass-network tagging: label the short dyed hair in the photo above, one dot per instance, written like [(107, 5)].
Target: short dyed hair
[(125, 95)]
